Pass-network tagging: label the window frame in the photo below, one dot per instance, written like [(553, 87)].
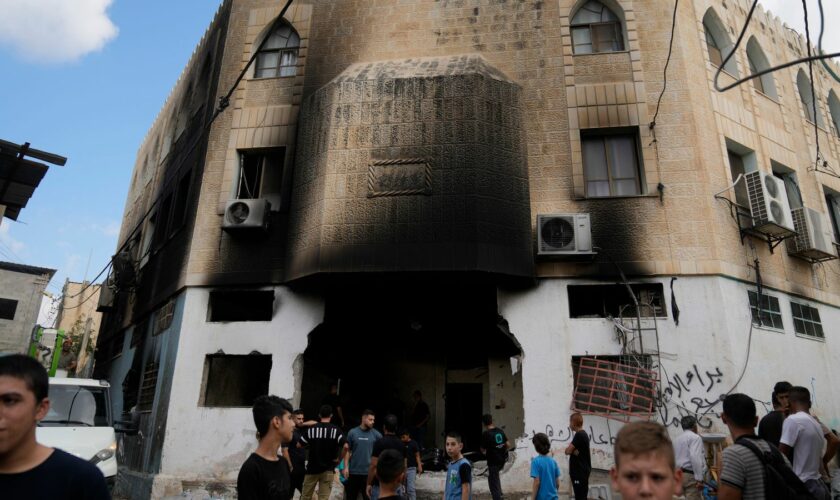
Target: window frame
[(757, 310), (587, 135), (832, 204), (618, 30), (11, 305), (711, 43), (816, 324), (280, 70)]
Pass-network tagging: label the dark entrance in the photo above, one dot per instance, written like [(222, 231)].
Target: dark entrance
[(386, 337), (463, 412)]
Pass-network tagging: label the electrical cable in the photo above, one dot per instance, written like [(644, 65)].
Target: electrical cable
[(765, 71), (224, 102), (811, 77), (819, 43), (665, 70)]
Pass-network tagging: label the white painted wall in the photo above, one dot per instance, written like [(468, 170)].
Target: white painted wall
[(712, 335), (213, 442)]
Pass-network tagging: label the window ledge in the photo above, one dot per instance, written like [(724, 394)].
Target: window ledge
[(811, 337), (602, 53), (821, 127), (724, 71), (774, 100), (770, 329), (588, 198), (254, 79)]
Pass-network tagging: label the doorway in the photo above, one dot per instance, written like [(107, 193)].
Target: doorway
[(463, 412)]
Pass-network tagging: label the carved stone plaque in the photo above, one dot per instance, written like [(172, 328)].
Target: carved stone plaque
[(399, 177)]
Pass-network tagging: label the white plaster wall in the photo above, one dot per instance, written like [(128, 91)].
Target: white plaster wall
[(206, 442), (712, 335)]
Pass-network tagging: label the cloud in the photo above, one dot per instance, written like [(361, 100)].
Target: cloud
[(55, 30)]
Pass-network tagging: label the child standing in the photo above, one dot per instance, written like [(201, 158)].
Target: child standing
[(459, 471), (544, 470), (414, 465), (390, 470)]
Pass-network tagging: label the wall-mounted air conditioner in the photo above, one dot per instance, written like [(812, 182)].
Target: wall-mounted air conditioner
[(769, 204), (814, 236), (246, 215), (564, 234)]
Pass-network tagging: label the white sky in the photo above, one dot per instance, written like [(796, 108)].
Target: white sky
[(791, 12)]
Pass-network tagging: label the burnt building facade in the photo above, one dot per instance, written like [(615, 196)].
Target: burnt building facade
[(459, 197)]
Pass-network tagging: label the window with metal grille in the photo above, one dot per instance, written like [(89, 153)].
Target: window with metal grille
[(595, 28), (766, 312), (614, 386), (8, 307), (279, 54), (806, 320), (611, 165)]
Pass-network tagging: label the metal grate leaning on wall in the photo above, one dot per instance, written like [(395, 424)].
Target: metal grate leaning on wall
[(614, 390)]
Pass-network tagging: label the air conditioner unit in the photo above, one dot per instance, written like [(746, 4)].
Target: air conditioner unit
[(769, 204), (246, 215), (564, 234), (814, 236), (106, 296)]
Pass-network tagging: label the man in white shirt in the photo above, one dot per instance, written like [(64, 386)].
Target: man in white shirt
[(802, 441), (691, 458)]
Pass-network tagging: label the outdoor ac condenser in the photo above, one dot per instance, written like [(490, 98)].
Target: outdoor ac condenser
[(564, 234), (813, 240), (769, 204), (246, 215)]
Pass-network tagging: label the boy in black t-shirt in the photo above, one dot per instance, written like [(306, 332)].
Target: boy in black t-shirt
[(28, 469), (494, 445), (265, 475), (414, 465), (580, 464)]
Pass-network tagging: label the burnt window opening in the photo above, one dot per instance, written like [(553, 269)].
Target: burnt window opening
[(261, 174), (234, 380), (8, 307), (179, 208), (613, 300), (241, 305), (161, 222), (614, 385)]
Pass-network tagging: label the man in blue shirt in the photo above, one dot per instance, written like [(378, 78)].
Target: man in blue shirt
[(359, 446)]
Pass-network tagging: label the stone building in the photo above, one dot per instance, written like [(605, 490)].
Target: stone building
[(77, 314), (457, 196), (21, 292)]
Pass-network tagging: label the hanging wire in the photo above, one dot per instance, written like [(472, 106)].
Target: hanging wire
[(765, 71), (819, 43)]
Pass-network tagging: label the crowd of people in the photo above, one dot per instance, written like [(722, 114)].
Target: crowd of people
[(787, 458)]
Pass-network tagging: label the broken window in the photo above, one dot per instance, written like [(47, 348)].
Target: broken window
[(161, 222), (806, 320), (241, 305), (235, 380), (601, 301), (766, 312), (614, 386), (261, 176), (179, 209), (8, 307), (611, 163)]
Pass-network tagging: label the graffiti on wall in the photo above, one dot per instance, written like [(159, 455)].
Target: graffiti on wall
[(695, 391)]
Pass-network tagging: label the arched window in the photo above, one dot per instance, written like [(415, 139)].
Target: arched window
[(595, 28), (807, 98), (279, 54), (834, 109), (718, 42), (758, 62)]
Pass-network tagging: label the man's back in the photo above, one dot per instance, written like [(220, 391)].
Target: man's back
[(743, 470), (325, 441), (580, 464), (802, 433), (494, 442), (690, 453), (61, 475)]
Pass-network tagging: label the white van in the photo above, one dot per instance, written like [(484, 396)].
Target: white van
[(80, 423)]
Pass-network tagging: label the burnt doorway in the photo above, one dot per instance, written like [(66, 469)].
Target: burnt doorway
[(463, 412), (384, 338)]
